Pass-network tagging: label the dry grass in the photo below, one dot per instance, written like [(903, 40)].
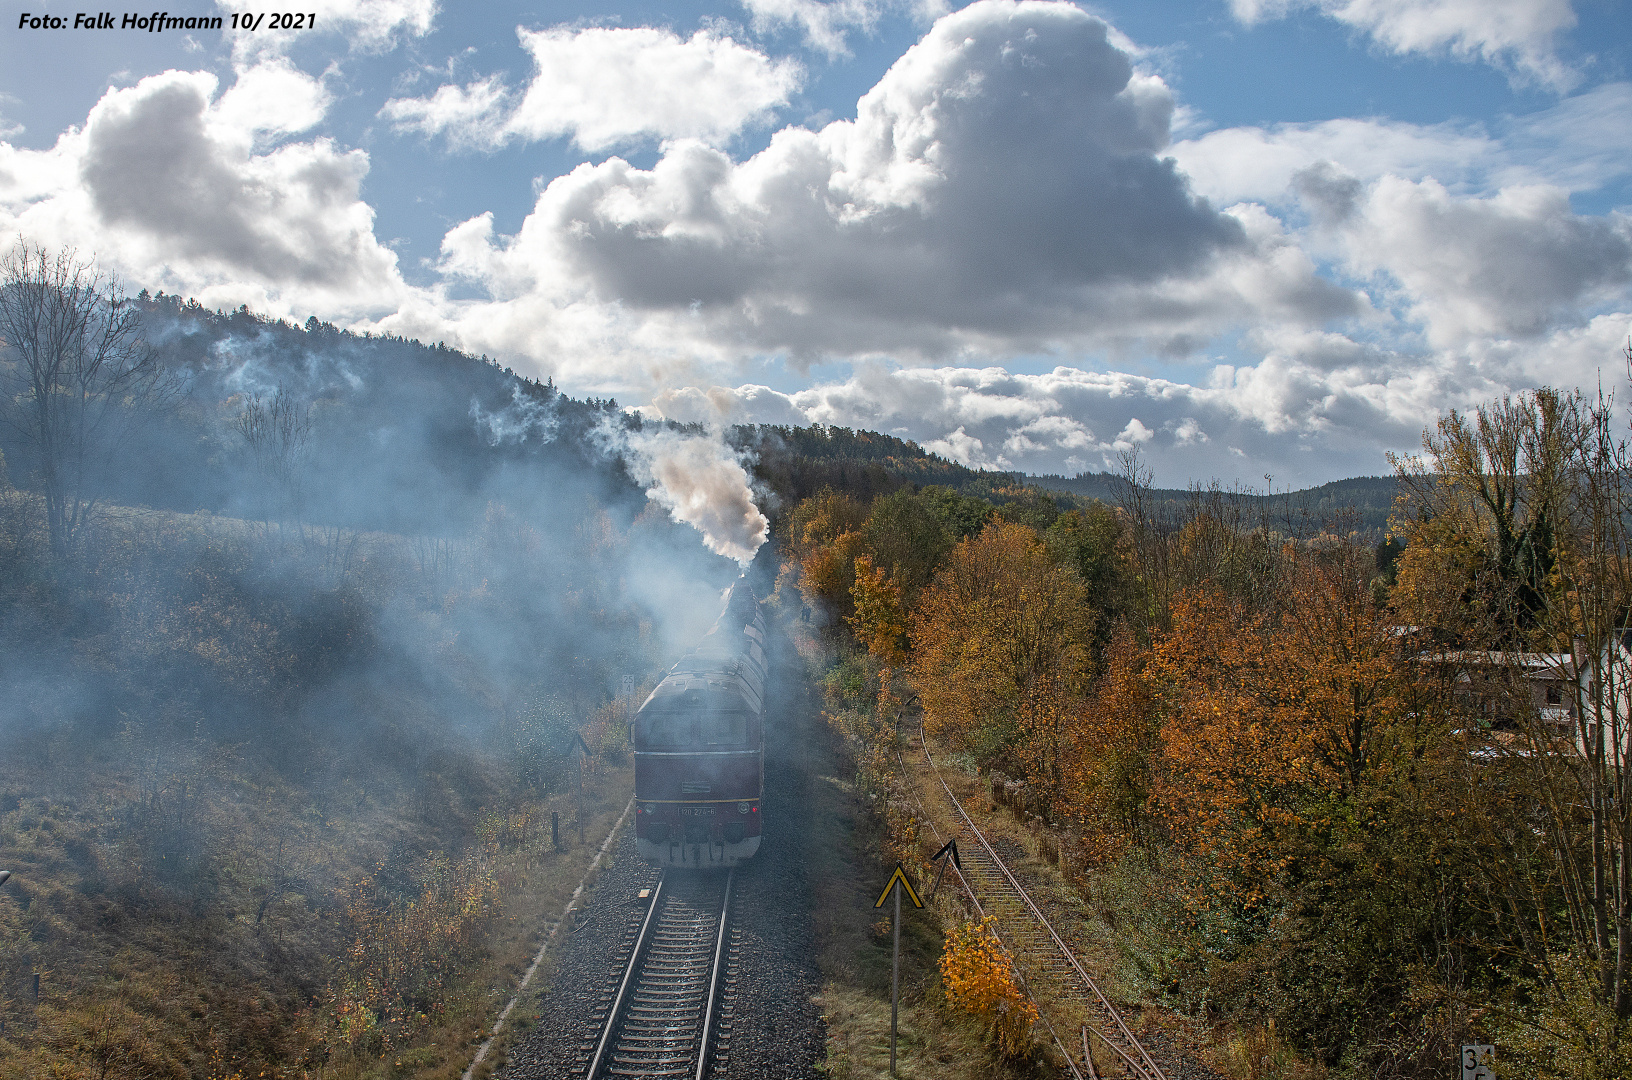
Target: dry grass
[(541, 893), (1258, 1053), (140, 979)]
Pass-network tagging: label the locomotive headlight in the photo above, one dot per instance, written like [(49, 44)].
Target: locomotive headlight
[(742, 808)]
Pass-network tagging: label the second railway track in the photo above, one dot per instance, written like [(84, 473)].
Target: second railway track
[(1053, 976), (664, 1020)]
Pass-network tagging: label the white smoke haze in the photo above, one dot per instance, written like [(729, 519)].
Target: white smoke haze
[(523, 417), (701, 482)]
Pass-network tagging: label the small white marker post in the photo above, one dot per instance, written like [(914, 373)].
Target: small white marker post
[(1477, 1059), (897, 882)]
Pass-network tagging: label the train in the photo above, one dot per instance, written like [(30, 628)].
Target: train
[(699, 746)]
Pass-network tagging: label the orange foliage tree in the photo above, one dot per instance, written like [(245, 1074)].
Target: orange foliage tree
[(1271, 718), (1106, 771), (1000, 643)]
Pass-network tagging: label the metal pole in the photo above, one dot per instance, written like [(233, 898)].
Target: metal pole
[(895, 976)]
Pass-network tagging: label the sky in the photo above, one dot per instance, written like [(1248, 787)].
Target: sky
[(1247, 239)]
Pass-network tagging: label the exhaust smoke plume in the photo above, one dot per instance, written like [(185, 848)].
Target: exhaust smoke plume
[(702, 483)]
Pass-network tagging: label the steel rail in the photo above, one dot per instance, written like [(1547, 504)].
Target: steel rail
[(1147, 1069), (662, 1019), (605, 1044), (1087, 1056), (714, 979)]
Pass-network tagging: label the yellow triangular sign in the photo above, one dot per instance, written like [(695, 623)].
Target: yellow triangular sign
[(901, 876)]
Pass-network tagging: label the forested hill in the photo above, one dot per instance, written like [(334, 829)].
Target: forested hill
[(375, 431), (797, 462)]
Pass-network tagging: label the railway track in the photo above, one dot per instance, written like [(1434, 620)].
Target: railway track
[(665, 1019), (1065, 995)]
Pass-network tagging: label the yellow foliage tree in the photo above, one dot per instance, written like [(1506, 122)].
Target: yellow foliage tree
[(825, 534), (879, 623)]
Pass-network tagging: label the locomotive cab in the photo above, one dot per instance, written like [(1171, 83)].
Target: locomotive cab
[(699, 748)]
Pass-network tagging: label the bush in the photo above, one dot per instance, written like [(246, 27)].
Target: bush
[(979, 979)]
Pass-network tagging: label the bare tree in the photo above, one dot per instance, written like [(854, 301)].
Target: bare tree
[(1529, 503), (75, 374), (276, 433)]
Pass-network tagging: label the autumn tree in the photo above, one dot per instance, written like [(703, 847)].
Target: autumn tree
[(1300, 765), (880, 619), (1002, 629), (1484, 505), (75, 376), (980, 979), (1213, 537), (826, 538), (1087, 541), (907, 540), (1106, 774), (1272, 716)]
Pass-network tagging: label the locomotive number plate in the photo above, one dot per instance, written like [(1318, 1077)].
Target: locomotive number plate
[(696, 811)]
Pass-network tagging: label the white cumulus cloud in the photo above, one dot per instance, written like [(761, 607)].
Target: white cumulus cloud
[(1003, 187), (165, 183), (1577, 144), (366, 25), (1512, 265), (604, 87), (825, 24), (1519, 36)]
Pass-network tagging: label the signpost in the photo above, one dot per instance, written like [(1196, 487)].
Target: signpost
[(949, 848), (897, 882), (1477, 1061), (583, 748)]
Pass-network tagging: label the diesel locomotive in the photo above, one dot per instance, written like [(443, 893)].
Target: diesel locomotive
[(699, 744)]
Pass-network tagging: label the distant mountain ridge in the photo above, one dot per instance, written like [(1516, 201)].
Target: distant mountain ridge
[(1370, 499), (796, 462)]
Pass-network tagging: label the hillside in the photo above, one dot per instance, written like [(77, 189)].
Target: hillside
[(284, 720)]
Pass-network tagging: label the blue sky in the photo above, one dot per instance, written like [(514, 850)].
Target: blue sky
[(1241, 236)]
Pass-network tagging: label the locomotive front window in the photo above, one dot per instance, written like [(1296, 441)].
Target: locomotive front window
[(686, 727)]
